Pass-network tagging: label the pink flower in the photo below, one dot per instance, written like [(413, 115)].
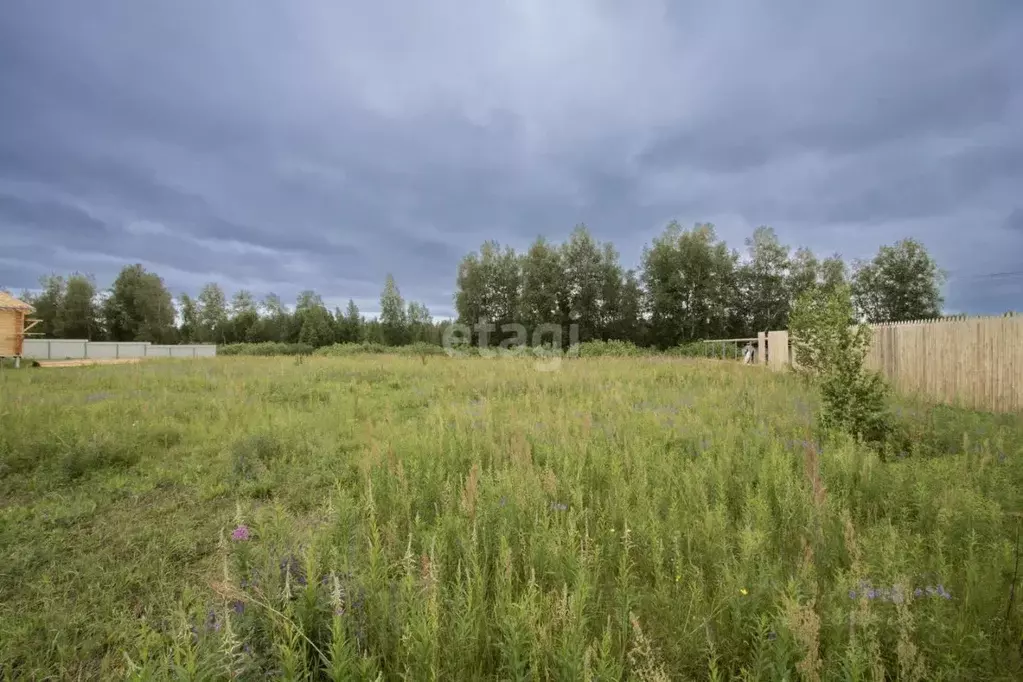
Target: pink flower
[(241, 533)]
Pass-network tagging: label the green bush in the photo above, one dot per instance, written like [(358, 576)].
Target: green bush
[(693, 349), (829, 350), (346, 349), (349, 349), (266, 348), (613, 348)]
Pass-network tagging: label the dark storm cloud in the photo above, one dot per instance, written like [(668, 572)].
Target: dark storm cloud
[(322, 145)]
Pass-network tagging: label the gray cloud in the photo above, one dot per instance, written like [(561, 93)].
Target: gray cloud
[(322, 144)]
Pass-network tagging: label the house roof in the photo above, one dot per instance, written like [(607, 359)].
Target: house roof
[(8, 302)]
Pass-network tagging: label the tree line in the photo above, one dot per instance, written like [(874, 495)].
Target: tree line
[(139, 307), (688, 286)]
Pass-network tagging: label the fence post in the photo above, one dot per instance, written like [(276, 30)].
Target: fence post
[(761, 348)]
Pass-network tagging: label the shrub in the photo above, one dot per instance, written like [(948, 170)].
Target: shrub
[(613, 348), (693, 349), (829, 350), (346, 349), (266, 348)]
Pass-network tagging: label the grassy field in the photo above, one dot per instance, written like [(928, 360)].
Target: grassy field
[(455, 519)]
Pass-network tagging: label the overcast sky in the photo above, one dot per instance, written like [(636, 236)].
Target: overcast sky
[(278, 146)]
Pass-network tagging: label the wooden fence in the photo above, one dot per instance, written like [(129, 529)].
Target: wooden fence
[(969, 362)]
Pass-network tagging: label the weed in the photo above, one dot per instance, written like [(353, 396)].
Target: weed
[(369, 516)]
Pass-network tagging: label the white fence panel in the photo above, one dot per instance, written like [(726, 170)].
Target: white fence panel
[(80, 349)]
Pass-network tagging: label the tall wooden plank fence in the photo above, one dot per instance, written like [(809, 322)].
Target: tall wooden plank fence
[(973, 362)]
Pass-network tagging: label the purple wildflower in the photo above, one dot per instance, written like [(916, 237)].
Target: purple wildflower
[(290, 566), (238, 606), (241, 533), (918, 592), (211, 621), (852, 594)]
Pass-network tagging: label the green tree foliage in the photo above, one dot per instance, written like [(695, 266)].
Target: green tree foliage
[(188, 332), (764, 282), (689, 286), (372, 332), (902, 282), (583, 283), (317, 327), (78, 314), (690, 279), (609, 302), (542, 286), (275, 321), (139, 307), (833, 273), (488, 287), (830, 349), (420, 323), (214, 321), (393, 316), (67, 307), (349, 325), (630, 325), (311, 324), (244, 321), (47, 306)]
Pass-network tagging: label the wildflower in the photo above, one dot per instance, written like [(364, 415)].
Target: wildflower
[(238, 607), (742, 591), (211, 621), (678, 577), (557, 506), (852, 594), (241, 533), (290, 567), (942, 593), (918, 593), (871, 593)]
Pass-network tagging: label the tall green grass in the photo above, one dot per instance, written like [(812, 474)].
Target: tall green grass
[(382, 517)]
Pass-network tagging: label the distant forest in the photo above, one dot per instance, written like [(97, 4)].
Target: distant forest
[(689, 286)]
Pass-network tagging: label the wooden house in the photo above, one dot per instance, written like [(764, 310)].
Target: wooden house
[(14, 325)]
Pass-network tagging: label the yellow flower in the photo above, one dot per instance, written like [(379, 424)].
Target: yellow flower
[(742, 591)]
